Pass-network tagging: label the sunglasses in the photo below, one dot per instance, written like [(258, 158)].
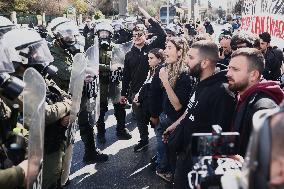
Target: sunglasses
[(138, 35)]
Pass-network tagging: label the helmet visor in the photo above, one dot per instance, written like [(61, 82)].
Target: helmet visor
[(8, 55), (38, 53), (67, 29)]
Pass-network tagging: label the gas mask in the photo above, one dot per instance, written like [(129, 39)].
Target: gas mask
[(104, 39), (10, 87)]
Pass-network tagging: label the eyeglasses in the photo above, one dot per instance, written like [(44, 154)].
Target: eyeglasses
[(138, 35)]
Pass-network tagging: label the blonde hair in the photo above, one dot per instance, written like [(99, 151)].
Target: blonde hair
[(180, 66)]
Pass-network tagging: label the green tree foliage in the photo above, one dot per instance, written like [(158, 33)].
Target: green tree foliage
[(81, 6)]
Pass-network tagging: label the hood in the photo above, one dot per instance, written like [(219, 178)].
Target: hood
[(217, 77), (271, 88)]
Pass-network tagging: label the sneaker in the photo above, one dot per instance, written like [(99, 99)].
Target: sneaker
[(165, 176), (123, 134), (141, 145), (96, 157), (101, 139)]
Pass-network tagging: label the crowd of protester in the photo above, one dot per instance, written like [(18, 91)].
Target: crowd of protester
[(180, 81)]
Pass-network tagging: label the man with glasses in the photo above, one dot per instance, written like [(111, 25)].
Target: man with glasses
[(135, 72)]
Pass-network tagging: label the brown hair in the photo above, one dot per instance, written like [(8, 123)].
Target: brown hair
[(208, 50), (176, 69), (254, 56)]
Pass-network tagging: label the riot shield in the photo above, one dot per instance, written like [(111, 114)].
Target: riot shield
[(34, 115), (117, 64), (75, 89), (92, 84)]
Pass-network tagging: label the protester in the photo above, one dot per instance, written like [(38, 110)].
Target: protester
[(244, 77), (135, 72), (211, 103), (273, 58), (177, 86)]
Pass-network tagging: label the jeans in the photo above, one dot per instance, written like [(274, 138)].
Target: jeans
[(162, 149)]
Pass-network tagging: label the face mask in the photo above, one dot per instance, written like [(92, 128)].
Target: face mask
[(104, 43)]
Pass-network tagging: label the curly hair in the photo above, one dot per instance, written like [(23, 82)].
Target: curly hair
[(180, 66)]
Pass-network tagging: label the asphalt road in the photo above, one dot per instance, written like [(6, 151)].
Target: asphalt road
[(124, 170)]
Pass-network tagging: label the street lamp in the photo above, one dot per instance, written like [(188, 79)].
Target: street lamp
[(168, 12)]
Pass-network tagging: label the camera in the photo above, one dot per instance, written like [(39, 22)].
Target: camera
[(210, 153)]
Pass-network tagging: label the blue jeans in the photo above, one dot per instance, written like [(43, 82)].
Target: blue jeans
[(162, 151)]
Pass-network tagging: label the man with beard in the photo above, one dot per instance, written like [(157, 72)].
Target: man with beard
[(225, 50), (211, 103), (244, 77)]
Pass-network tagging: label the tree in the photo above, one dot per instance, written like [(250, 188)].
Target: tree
[(81, 6), (238, 7)]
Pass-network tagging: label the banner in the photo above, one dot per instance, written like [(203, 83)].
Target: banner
[(260, 16)]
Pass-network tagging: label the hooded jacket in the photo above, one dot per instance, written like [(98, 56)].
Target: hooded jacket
[(264, 95), (210, 103)]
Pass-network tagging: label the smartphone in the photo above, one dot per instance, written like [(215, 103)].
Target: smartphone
[(206, 144)]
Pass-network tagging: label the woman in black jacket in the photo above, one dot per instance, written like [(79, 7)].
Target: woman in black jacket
[(177, 86), (150, 94)]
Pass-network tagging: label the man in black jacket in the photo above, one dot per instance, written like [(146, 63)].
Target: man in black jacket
[(135, 72), (273, 58), (211, 103), (244, 77)]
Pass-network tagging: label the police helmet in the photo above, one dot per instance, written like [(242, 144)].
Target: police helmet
[(5, 25), (130, 23), (63, 28), (171, 29), (117, 25), (32, 48), (104, 29)]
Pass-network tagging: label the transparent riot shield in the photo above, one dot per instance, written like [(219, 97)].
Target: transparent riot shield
[(34, 115), (75, 89), (92, 84), (117, 64)]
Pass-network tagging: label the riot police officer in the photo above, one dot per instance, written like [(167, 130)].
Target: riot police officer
[(65, 46), (5, 25), (10, 177), (34, 52), (104, 31)]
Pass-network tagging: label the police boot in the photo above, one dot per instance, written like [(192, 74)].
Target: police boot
[(92, 154), (101, 130), (121, 132)]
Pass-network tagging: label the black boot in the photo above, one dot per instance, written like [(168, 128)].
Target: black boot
[(95, 156), (123, 134)]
